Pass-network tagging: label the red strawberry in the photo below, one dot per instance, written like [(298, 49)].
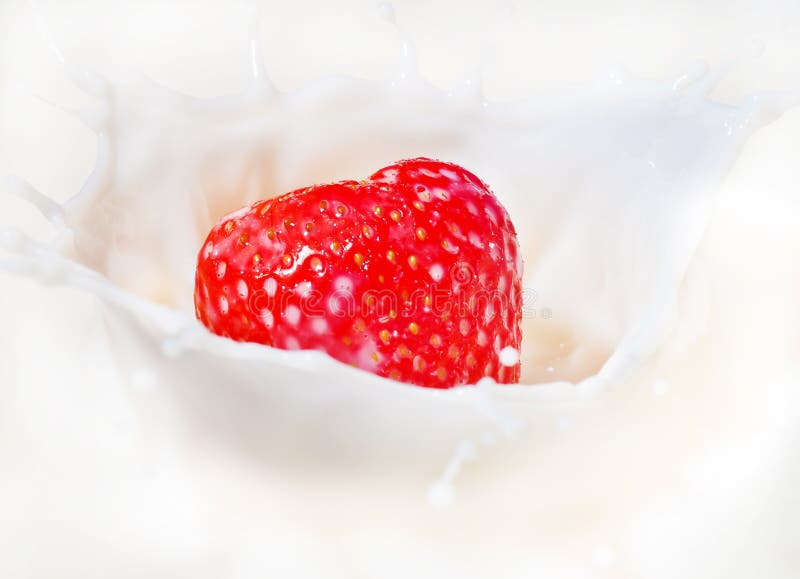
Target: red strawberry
[(413, 274)]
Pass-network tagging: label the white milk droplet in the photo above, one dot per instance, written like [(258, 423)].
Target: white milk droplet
[(509, 356)]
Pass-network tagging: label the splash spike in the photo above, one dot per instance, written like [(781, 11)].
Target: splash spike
[(45, 31), (29, 257), (89, 82), (711, 80), (258, 67), (51, 210), (93, 118), (409, 63), (691, 76), (409, 66)]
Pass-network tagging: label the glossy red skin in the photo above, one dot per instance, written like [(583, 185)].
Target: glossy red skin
[(335, 240)]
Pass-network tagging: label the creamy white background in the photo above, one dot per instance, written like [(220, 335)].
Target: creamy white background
[(80, 497)]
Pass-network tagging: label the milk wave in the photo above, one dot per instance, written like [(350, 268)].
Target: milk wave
[(608, 186)]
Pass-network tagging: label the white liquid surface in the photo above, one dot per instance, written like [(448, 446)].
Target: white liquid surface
[(609, 186)]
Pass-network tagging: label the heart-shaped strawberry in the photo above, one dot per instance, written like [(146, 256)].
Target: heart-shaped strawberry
[(413, 274)]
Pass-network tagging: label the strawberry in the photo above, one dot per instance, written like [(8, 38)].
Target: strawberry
[(413, 274)]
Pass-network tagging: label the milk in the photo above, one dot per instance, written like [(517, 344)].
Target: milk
[(609, 185)]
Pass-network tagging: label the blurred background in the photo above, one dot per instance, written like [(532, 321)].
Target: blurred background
[(83, 495)]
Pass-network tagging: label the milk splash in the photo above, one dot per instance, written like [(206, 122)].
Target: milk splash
[(608, 186)]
